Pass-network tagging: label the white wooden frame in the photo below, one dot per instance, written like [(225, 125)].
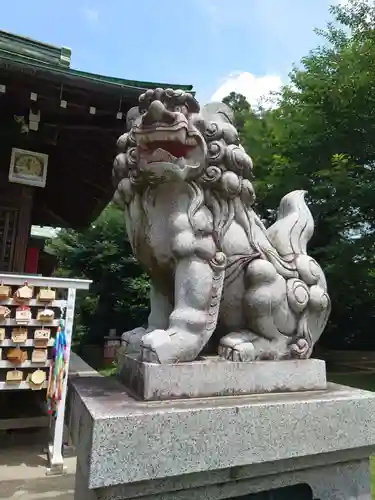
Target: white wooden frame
[(29, 180), (55, 448)]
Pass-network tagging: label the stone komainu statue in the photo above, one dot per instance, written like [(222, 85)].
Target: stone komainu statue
[(184, 183)]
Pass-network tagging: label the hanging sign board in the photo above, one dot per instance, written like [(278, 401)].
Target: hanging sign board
[(28, 167)]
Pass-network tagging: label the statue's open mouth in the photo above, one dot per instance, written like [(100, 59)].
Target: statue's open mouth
[(171, 148), (176, 147)]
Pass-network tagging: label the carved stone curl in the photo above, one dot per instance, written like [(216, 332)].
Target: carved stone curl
[(184, 183)]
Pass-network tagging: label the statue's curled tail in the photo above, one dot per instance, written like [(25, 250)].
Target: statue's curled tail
[(307, 292), (294, 226)]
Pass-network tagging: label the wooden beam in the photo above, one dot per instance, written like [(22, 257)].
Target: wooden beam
[(50, 96), (23, 228), (84, 128)]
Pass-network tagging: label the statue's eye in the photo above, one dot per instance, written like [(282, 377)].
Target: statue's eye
[(178, 109)]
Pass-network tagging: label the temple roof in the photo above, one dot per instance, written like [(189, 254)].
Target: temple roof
[(49, 59)]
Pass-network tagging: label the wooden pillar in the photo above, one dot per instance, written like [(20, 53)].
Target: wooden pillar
[(23, 228), (32, 260)]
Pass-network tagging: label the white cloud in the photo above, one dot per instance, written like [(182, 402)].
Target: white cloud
[(91, 14), (256, 89)]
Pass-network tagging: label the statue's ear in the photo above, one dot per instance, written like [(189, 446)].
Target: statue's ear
[(219, 110), (132, 115)]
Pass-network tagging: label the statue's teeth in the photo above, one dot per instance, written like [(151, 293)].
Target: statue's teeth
[(191, 141), (181, 136), (160, 135)]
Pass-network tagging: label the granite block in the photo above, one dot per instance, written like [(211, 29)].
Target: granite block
[(136, 440), (317, 470), (339, 481), (213, 376)]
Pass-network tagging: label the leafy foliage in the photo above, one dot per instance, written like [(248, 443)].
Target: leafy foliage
[(118, 297), (321, 138), (240, 107)]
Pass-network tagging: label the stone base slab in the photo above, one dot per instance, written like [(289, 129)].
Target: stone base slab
[(121, 440), (213, 376)]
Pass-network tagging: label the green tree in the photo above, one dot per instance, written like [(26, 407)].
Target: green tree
[(240, 107), (118, 297), (321, 138)]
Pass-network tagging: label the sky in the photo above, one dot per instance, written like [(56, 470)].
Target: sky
[(218, 46)]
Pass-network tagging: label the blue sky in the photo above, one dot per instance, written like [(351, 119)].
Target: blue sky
[(245, 45)]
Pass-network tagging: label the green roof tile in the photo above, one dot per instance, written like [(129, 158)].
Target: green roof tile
[(18, 51), (34, 51)]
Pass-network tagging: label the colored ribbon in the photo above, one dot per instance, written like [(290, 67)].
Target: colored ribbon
[(57, 370)]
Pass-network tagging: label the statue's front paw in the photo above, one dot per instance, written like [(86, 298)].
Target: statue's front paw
[(170, 346), (154, 344)]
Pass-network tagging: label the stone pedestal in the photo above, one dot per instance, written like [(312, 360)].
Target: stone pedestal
[(221, 447), (213, 376)]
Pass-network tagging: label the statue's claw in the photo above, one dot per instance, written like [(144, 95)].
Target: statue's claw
[(246, 346), (131, 340), (241, 352), (237, 346), (148, 355)]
